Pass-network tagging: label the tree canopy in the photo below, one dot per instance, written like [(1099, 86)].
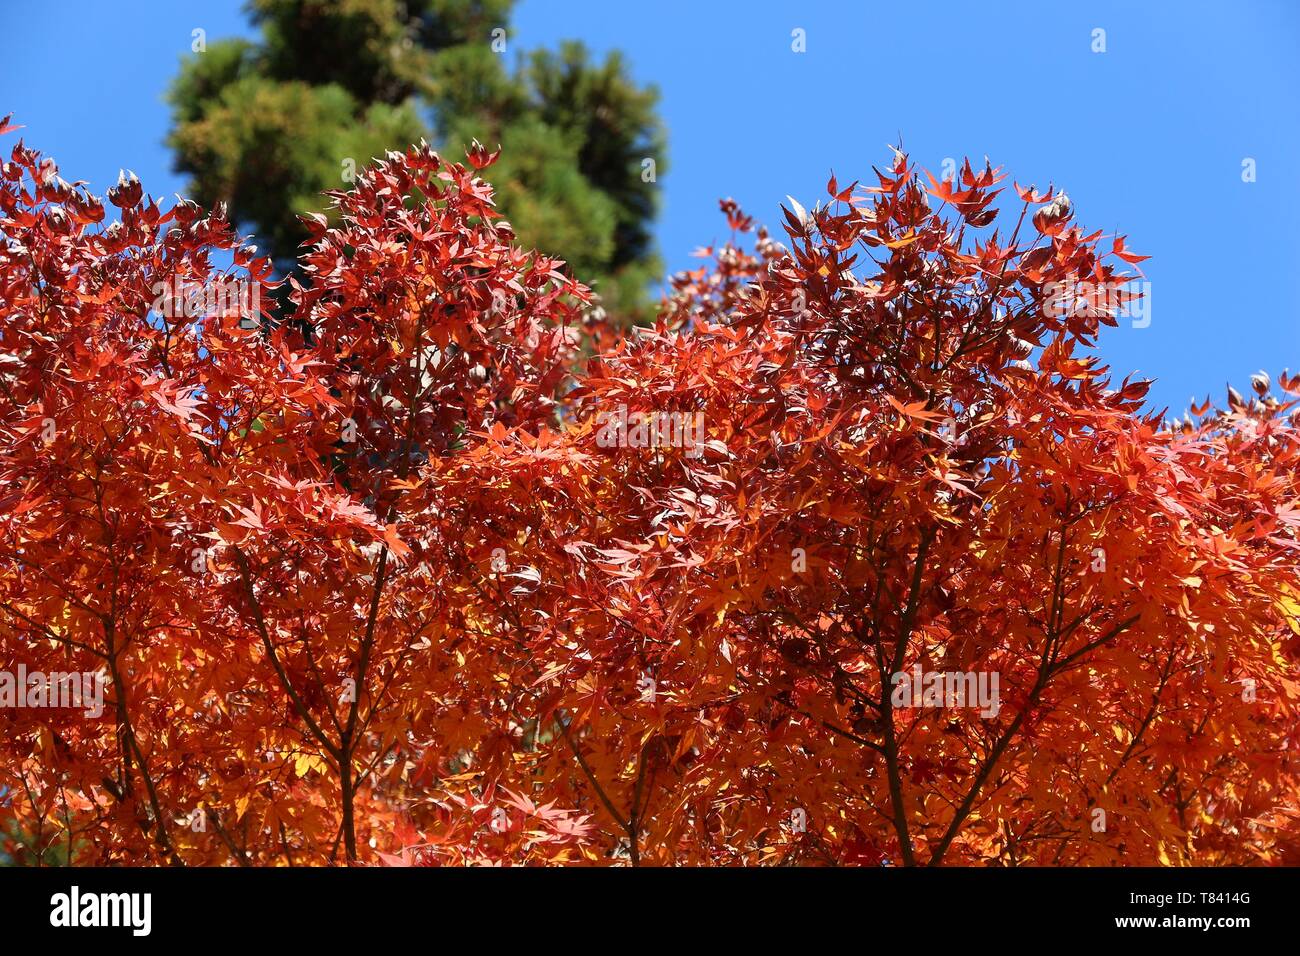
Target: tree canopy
[(419, 589)]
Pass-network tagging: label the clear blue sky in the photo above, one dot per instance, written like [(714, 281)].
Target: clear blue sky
[(1148, 137)]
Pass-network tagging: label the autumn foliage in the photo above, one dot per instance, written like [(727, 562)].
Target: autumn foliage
[(366, 582)]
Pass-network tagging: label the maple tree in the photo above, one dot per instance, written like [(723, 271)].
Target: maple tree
[(372, 584)]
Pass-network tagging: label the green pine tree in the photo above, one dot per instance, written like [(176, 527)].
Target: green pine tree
[(266, 127)]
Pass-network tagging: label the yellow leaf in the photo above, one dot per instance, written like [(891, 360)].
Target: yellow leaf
[(1290, 608), (306, 762)]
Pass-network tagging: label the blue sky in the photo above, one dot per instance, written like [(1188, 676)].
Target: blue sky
[(1148, 137)]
